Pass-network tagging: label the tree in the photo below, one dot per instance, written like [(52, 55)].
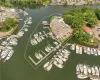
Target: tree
[(8, 24), (97, 12)]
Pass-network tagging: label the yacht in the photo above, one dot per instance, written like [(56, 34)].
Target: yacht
[(77, 68), (98, 52), (26, 29), (92, 51), (85, 49), (80, 50), (47, 66), (93, 71), (42, 37), (89, 69), (85, 70), (57, 64), (4, 43), (81, 68), (80, 76), (77, 49), (73, 46), (96, 71), (40, 55), (9, 55), (95, 52), (88, 51), (37, 56)]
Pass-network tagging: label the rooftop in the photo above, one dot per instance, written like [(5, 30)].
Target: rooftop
[(60, 28)]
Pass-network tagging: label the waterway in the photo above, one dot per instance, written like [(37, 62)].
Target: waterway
[(17, 68)]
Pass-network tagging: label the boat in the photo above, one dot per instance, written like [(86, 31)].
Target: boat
[(85, 70), (57, 64), (85, 49), (80, 76), (93, 71), (81, 68), (40, 55), (4, 43), (77, 68), (73, 47), (95, 52), (89, 69), (96, 71), (92, 51), (77, 49), (80, 50), (98, 52), (88, 51), (9, 55), (37, 56), (26, 29), (47, 66)]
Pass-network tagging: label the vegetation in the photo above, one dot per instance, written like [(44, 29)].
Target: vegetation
[(8, 24), (78, 18), (97, 12)]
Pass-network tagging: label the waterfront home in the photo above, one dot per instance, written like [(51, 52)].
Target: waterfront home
[(88, 30), (60, 29)]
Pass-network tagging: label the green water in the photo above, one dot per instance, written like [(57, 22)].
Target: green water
[(17, 68)]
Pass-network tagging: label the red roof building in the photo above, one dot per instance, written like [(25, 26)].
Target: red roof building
[(87, 29)]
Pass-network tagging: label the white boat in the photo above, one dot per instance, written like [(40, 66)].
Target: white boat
[(98, 52), (85, 70), (37, 56), (80, 76), (73, 47), (42, 38), (26, 29), (40, 55), (92, 51), (89, 69), (96, 71), (47, 66), (4, 43), (9, 55), (77, 68), (77, 49), (93, 71), (81, 68), (88, 51), (57, 64), (85, 49), (95, 52), (80, 50)]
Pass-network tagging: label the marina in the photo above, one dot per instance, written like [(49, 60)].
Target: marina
[(84, 71), (17, 67)]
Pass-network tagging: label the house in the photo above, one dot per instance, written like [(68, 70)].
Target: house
[(88, 30)]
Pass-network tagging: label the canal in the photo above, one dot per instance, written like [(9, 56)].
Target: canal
[(17, 68)]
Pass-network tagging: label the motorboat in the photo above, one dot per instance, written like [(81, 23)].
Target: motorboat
[(88, 51), (77, 49), (47, 66), (95, 52), (80, 50), (80, 76), (57, 64), (9, 55), (92, 51), (98, 52), (37, 56), (73, 46), (85, 49)]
